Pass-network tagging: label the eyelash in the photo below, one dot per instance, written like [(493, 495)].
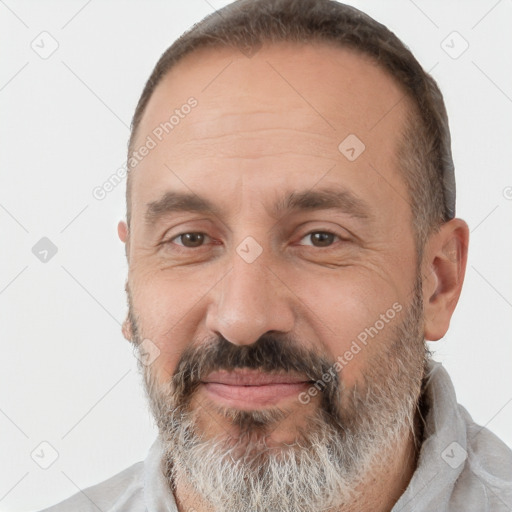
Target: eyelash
[(184, 248)]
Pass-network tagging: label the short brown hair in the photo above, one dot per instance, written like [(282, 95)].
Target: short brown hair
[(424, 155)]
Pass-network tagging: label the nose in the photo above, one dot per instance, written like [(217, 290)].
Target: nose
[(248, 302)]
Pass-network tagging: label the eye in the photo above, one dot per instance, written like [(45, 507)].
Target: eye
[(189, 240), (321, 238), (193, 240)]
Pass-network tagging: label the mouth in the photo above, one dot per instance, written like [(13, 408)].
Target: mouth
[(252, 389)]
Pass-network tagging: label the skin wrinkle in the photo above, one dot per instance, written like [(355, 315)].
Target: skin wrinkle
[(191, 303)]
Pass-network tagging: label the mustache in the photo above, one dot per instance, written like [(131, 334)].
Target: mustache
[(271, 353)]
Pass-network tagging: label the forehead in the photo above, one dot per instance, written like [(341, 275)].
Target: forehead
[(281, 112), (334, 86)]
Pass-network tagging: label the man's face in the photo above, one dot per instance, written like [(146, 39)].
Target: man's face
[(313, 284)]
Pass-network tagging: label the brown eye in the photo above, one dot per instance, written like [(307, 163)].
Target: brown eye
[(190, 240), (320, 238)]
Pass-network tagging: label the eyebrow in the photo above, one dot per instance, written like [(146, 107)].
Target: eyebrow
[(178, 202), (332, 198)]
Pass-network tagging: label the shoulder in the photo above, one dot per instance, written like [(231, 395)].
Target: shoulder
[(123, 491), (487, 472)]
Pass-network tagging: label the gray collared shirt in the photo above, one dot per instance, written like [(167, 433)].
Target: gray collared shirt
[(462, 467)]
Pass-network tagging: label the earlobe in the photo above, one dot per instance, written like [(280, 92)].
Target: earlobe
[(445, 258), (122, 231), (127, 330)]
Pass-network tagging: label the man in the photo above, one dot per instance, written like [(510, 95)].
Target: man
[(292, 243)]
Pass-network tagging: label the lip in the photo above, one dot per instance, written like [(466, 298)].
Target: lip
[(252, 378), (250, 389)]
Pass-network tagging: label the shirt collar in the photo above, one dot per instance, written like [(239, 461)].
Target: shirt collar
[(157, 495), (444, 448)]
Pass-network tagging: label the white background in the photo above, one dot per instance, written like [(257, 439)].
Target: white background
[(68, 375)]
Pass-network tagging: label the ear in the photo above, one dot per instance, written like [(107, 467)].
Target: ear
[(123, 233), (127, 330), (443, 267)]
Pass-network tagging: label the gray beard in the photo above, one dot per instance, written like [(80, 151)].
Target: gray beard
[(331, 459)]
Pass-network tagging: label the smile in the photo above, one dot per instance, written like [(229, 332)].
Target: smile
[(249, 389)]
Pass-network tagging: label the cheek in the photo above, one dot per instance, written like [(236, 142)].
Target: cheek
[(169, 312), (353, 316)]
